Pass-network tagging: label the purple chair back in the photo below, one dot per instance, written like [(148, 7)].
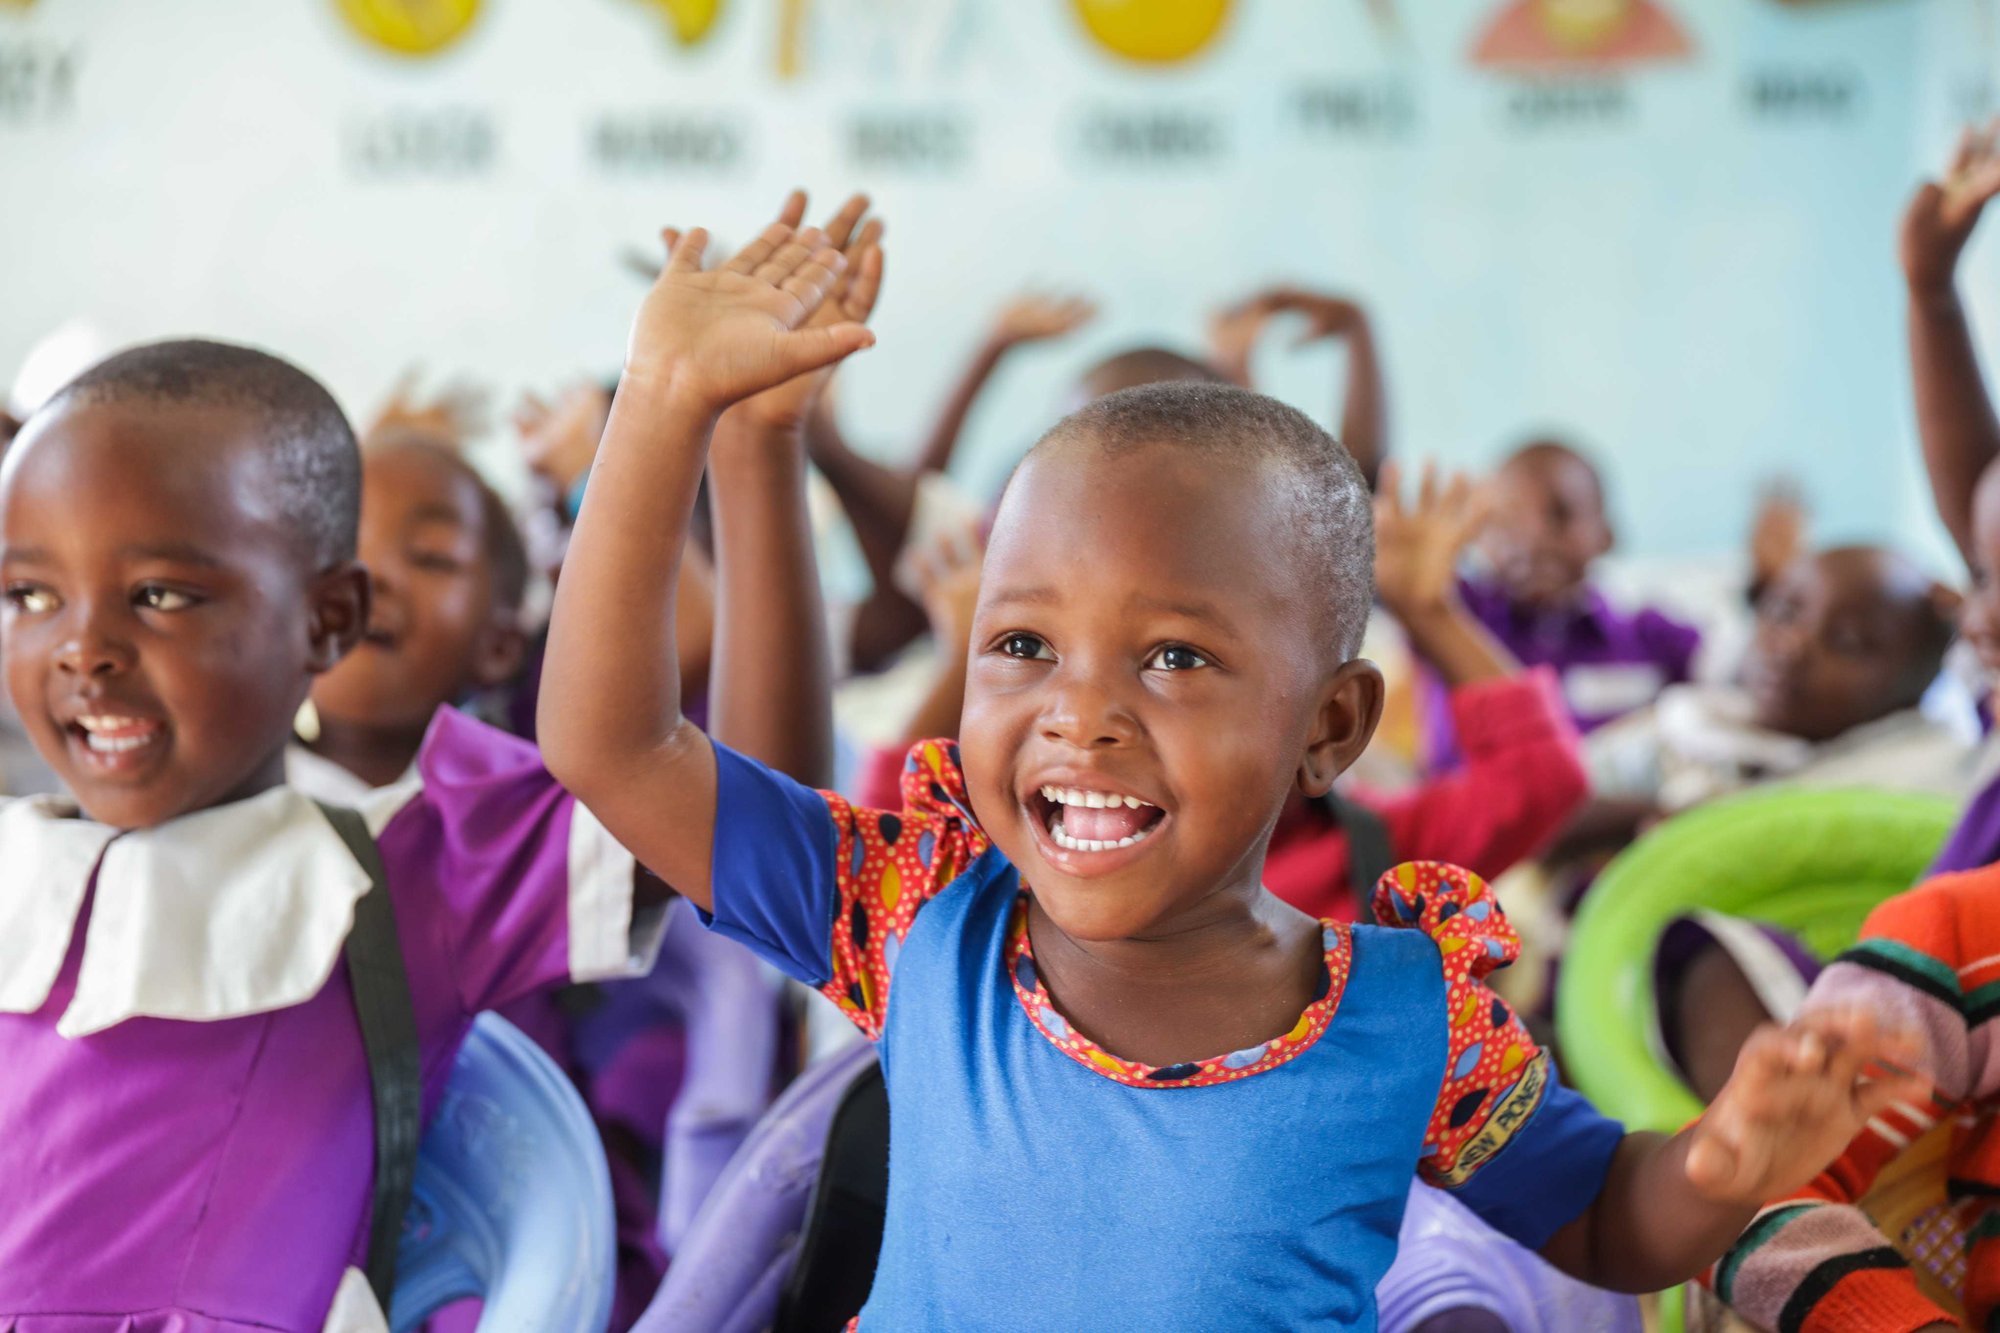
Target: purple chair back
[(1450, 1260), (732, 1264)]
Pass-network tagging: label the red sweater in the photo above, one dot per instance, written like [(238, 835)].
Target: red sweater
[(1523, 778)]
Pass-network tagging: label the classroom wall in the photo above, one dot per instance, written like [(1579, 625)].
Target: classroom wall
[(1685, 259)]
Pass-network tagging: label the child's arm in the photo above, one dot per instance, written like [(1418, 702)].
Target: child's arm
[(610, 719), (1029, 318), (1955, 419), (1365, 410), (1670, 1207), (950, 576), (881, 501), (771, 674)]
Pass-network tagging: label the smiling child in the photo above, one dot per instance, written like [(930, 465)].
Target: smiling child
[(1129, 1085)]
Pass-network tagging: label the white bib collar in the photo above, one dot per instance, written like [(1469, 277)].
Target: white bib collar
[(235, 910)]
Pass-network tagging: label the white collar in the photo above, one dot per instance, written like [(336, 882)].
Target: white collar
[(320, 778), (235, 910)]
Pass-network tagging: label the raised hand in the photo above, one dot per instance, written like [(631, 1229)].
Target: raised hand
[(1417, 547), (1941, 217), (456, 414), (1778, 533), (1038, 316), (713, 339), (1797, 1099), (559, 441), (1234, 331), (947, 575), (851, 300)]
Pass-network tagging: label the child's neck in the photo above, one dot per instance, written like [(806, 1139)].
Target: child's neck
[(378, 756), (1237, 972)]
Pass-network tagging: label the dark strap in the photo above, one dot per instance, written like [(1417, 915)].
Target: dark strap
[(382, 1002), (1369, 855)]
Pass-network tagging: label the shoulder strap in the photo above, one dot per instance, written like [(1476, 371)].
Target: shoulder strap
[(1369, 855), (388, 1018)]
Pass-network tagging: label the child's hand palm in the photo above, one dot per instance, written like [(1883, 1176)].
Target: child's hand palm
[(1417, 547), (719, 337), (1942, 215), (849, 301), (1796, 1101)]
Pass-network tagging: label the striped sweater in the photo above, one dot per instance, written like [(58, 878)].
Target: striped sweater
[(1903, 1230)]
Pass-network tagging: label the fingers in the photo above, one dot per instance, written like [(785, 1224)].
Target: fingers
[(789, 256), (794, 210), (810, 349), (687, 251), (1389, 492), (1427, 488), (840, 228), (864, 286), (758, 252)]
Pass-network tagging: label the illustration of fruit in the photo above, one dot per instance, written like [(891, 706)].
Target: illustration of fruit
[(690, 19), (1154, 32), (1555, 33), (411, 27)]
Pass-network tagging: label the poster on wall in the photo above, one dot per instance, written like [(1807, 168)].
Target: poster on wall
[(1548, 35), (410, 27)]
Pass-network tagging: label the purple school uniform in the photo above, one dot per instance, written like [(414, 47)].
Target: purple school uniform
[(1610, 661), (163, 1175)]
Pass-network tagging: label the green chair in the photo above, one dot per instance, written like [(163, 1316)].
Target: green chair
[(1812, 861)]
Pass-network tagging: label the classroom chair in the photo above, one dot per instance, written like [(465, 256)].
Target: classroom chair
[(787, 1238), (512, 1201)]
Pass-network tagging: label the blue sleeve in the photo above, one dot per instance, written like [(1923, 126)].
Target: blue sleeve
[(1547, 1172), (773, 870)]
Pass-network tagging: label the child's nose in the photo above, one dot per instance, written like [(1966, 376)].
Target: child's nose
[(1087, 713), (92, 651)]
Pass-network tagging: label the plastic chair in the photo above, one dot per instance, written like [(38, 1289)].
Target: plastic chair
[(512, 1201), (1814, 862), (740, 1253)]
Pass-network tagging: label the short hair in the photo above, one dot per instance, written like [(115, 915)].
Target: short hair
[(1333, 514), (315, 462), (1548, 450), (506, 552)]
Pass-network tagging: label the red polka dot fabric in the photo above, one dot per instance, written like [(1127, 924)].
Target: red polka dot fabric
[(1495, 1073)]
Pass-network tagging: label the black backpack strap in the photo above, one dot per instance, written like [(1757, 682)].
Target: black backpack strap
[(388, 1018), (1369, 855)]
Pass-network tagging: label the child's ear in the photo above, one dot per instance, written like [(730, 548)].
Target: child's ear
[(339, 606), (500, 651), (1349, 708)]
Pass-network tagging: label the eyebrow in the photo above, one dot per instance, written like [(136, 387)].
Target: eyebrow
[(1043, 594), (180, 553), (438, 513)]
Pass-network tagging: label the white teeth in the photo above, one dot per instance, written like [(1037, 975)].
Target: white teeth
[(1063, 840), (1092, 800), (116, 744)]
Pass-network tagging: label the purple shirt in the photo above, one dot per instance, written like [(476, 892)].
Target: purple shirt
[(1610, 661), (1975, 842), (166, 1176)]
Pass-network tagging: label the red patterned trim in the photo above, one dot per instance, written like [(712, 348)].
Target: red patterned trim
[(1231, 1068)]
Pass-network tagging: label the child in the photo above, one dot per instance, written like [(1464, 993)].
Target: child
[(1174, 581), (448, 575), (185, 1123), (1847, 642), (1814, 1259), (1960, 435), (1548, 529)]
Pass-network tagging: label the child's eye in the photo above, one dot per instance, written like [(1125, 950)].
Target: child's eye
[(153, 597), (436, 563), (1175, 657), (31, 599), (1029, 647)]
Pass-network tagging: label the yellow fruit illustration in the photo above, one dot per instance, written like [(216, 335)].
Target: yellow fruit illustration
[(1156, 32), (690, 19), (410, 27), (1585, 25)]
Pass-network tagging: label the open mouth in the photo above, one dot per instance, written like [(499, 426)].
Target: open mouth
[(112, 741), (1080, 820)]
